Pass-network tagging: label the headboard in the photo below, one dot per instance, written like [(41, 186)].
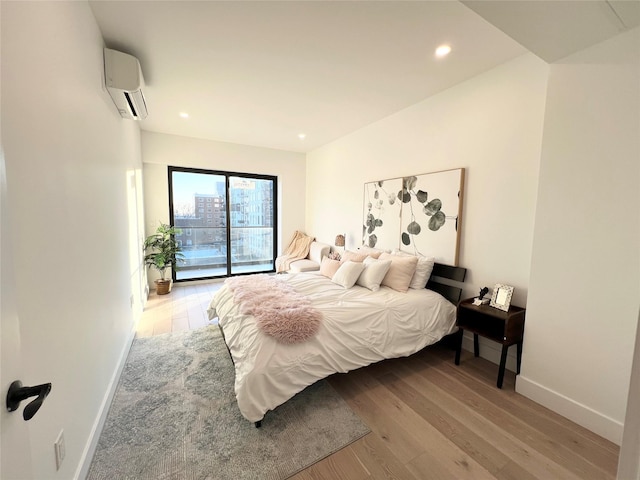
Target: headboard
[(447, 272)]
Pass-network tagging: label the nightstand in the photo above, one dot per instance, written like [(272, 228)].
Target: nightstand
[(503, 327)]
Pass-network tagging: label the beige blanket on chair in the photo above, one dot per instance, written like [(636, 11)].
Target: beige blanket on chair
[(297, 250)]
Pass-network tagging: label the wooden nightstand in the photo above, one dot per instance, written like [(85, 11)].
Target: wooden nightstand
[(506, 328)]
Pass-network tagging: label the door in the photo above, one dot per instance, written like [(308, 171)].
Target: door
[(227, 222), (198, 207), (14, 431), (252, 229)]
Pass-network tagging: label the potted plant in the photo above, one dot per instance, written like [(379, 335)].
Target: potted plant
[(163, 251)]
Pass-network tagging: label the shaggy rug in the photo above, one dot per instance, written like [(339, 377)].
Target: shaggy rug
[(174, 416)]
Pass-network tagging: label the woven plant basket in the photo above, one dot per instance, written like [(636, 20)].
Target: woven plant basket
[(163, 287)]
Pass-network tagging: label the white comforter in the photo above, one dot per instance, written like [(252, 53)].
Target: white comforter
[(359, 327)]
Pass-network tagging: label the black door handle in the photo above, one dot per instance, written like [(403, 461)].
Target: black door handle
[(18, 393)]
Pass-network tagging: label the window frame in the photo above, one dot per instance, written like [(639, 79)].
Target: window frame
[(226, 175)]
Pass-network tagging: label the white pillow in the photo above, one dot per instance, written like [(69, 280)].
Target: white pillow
[(353, 256), (400, 272), (348, 273), (373, 273), (329, 267), (371, 252), (423, 269)]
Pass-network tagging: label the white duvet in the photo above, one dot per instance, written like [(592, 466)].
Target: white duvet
[(359, 327)]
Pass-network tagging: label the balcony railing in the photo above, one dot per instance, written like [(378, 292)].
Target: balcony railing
[(205, 251)]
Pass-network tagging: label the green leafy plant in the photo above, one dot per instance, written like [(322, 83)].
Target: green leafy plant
[(162, 250)]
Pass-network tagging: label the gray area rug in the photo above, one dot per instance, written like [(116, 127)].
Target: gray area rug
[(174, 416)]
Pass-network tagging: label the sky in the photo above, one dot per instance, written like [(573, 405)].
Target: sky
[(185, 184)]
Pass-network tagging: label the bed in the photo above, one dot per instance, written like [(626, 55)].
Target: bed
[(359, 327)]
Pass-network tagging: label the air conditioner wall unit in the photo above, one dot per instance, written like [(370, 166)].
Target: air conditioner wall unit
[(124, 82)]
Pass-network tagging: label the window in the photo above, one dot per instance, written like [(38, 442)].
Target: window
[(238, 235)]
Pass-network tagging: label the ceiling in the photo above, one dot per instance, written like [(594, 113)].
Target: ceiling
[(261, 73)]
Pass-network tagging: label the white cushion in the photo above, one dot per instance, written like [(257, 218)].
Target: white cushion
[(372, 252), (317, 251), (423, 269), (348, 273), (348, 255), (304, 265), (329, 267), (373, 273)]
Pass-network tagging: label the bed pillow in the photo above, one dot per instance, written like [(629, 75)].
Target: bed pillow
[(348, 255), (348, 273), (329, 267), (371, 252), (373, 273), (400, 272), (423, 269)]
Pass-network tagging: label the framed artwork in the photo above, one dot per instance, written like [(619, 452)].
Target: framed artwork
[(501, 297), (420, 214)]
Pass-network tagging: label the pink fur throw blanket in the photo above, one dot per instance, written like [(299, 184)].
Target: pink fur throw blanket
[(278, 309)]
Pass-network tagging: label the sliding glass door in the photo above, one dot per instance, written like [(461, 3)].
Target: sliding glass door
[(227, 220)]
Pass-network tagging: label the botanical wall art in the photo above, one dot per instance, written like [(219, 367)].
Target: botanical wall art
[(420, 214)]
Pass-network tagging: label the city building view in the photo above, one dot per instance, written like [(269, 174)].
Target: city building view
[(207, 232)]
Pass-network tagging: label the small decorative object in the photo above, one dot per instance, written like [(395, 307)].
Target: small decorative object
[(481, 300), (340, 240), (334, 256), (501, 297)]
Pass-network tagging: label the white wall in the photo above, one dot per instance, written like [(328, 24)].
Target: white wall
[(160, 150), (73, 169), (583, 297), (490, 125)]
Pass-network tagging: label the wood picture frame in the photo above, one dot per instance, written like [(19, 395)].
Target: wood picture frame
[(418, 214)]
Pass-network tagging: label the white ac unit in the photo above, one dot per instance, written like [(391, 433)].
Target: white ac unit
[(124, 81)]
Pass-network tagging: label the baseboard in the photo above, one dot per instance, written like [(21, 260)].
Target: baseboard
[(491, 351), (576, 412), (92, 442)]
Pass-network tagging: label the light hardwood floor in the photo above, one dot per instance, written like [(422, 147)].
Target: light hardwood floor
[(185, 308), (430, 419)]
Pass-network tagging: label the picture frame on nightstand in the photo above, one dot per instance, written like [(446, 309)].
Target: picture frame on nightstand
[(501, 297)]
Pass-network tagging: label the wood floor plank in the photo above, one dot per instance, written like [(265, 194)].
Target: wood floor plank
[(425, 434), (428, 466), (489, 402), (533, 464), (514, 471), (481, 450), (343, 464), (162, 326), (179, 324), (379, 460), (395, 437), (543, 418), (572, 435)]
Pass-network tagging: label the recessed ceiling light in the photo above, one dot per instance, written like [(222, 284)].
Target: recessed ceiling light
[(184, 115), (302, 136), (443, 51)]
